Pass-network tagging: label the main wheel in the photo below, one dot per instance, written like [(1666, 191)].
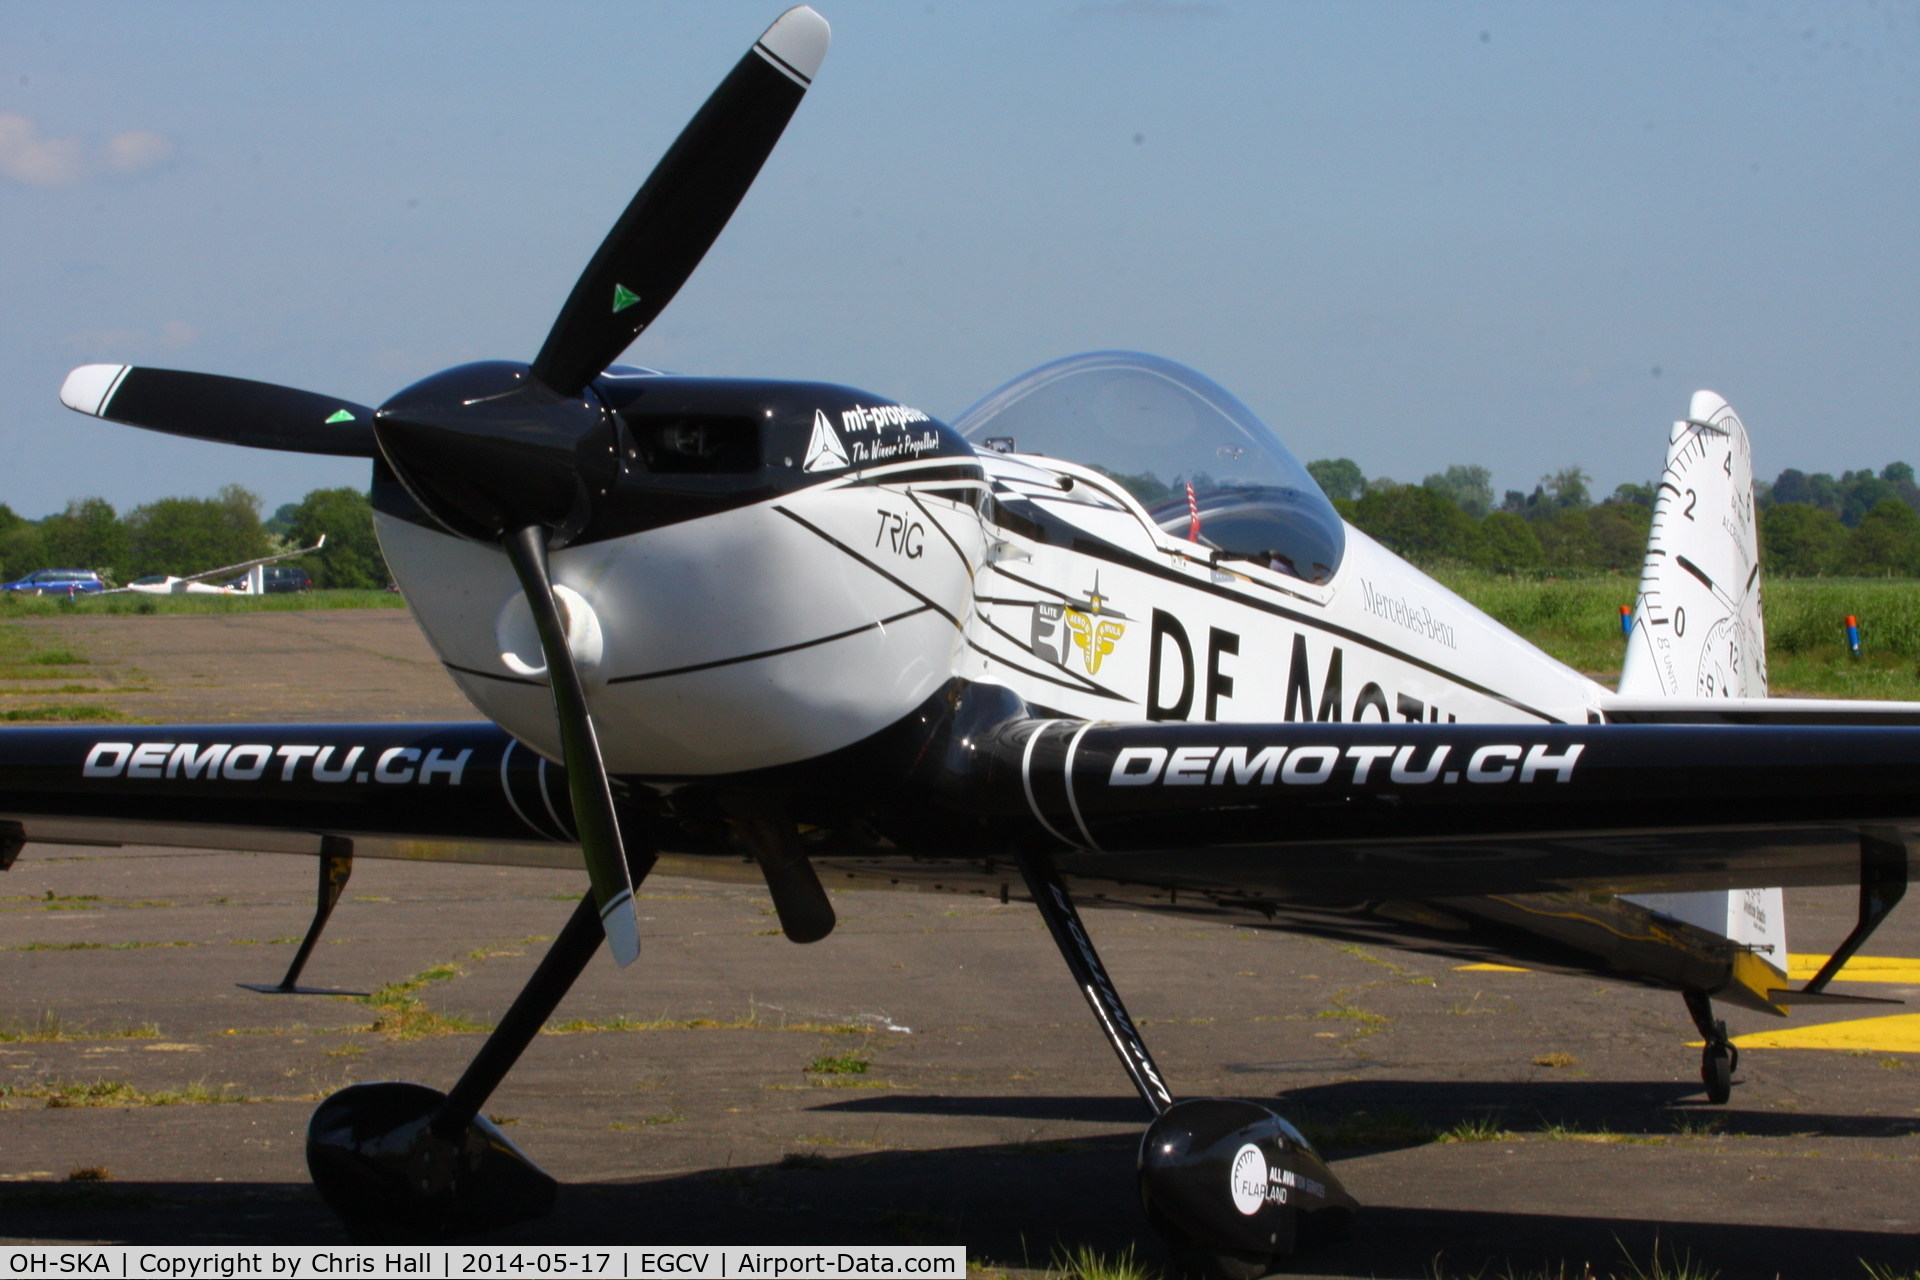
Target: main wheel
[(1716, 1072)]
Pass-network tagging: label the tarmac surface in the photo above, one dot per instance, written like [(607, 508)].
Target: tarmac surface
[(926, 1074)]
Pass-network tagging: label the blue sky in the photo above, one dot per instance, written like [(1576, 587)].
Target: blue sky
[(1412, 234)]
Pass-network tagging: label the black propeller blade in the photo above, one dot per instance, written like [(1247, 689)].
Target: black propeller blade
[(684, 204), (207, 406), (593, 815)]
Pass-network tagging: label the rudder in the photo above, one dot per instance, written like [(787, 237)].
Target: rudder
[(1698, 630)]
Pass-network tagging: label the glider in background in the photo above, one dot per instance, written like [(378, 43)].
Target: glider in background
[(162, 584)]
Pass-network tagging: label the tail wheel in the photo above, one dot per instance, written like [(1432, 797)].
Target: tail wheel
[(1716, 1071)]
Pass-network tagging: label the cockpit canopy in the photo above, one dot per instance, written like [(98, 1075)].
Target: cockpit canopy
[(1179, 443)]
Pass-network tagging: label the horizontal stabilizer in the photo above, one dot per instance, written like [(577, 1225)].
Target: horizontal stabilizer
[(1777, 711), (1824, 997)]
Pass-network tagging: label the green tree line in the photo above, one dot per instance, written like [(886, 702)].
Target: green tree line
[(1863, 524), (181, 536)]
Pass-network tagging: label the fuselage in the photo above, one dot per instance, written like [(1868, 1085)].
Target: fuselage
[(791, 568)]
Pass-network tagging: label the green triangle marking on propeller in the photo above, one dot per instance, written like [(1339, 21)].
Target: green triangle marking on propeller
[(623, 298), (340, 415)]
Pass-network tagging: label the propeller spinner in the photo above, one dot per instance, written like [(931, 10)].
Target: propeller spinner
[(515, 454)]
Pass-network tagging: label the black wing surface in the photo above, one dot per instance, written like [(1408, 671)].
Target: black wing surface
[(1311, 813), (461, 792), (1334, 812)]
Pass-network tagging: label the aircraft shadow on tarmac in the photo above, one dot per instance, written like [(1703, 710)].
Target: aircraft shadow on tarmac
[(1575, 1106), (1387, 1114), (1017, 1204)]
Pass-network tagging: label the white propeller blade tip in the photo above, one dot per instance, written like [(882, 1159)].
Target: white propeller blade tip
[(798, 42), (622, 922), (88, 388)]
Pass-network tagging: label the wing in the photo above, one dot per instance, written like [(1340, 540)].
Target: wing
[(1277, 813), (1528, 836), (244, 565), (1330, 812), (460, 791)]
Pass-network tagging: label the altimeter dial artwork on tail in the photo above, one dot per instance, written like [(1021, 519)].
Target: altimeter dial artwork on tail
[(1697, 629)]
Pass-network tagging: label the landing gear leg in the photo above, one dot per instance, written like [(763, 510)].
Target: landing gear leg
[(402, 1162), (1720, 1059), (1883, 882), (806, 913), (1228, 1184), (336, 866), (1076, 948)]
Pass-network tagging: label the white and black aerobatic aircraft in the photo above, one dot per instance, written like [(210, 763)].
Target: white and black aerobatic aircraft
[(1103, 631)]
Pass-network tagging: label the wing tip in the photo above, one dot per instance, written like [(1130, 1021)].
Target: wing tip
[(798, 38), (88, 388)]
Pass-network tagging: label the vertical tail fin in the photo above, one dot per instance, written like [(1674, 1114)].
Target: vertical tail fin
[(1697, 627), (1698, 631)]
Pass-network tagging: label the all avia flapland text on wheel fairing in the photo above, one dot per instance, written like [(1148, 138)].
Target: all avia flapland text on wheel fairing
[(1103, 629)]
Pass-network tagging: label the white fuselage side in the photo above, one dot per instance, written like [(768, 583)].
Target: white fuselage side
[(1378, 641), (780, 631)]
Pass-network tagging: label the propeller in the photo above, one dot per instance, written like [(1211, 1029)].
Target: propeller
[(684, 203), (515, 454), (593, 816)]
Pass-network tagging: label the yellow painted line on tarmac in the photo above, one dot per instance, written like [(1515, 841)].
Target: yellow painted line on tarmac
[(1858, 969), (1899, 1033), (1489, 968)]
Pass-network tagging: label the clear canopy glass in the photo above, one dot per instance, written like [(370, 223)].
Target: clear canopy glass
[(1204, 467)]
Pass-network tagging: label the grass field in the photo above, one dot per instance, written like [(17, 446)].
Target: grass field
[(18, 606), (1578, 622), (49, 680), (1575, 620)]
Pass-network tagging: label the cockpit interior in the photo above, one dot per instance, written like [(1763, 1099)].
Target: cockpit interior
[(1205, 468)]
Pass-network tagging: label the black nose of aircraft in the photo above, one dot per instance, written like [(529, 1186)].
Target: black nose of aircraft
[(489, 448)]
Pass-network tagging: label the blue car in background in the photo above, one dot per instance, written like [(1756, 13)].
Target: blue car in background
[(57, 582)]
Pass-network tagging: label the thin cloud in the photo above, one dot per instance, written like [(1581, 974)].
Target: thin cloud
[(135, 150), (172, 335), (1184, 10), (26, 155)]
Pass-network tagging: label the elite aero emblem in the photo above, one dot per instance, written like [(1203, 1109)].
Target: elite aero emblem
[(824, 450)]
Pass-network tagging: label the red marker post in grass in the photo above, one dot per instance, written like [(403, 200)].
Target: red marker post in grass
[(1853, 636)]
